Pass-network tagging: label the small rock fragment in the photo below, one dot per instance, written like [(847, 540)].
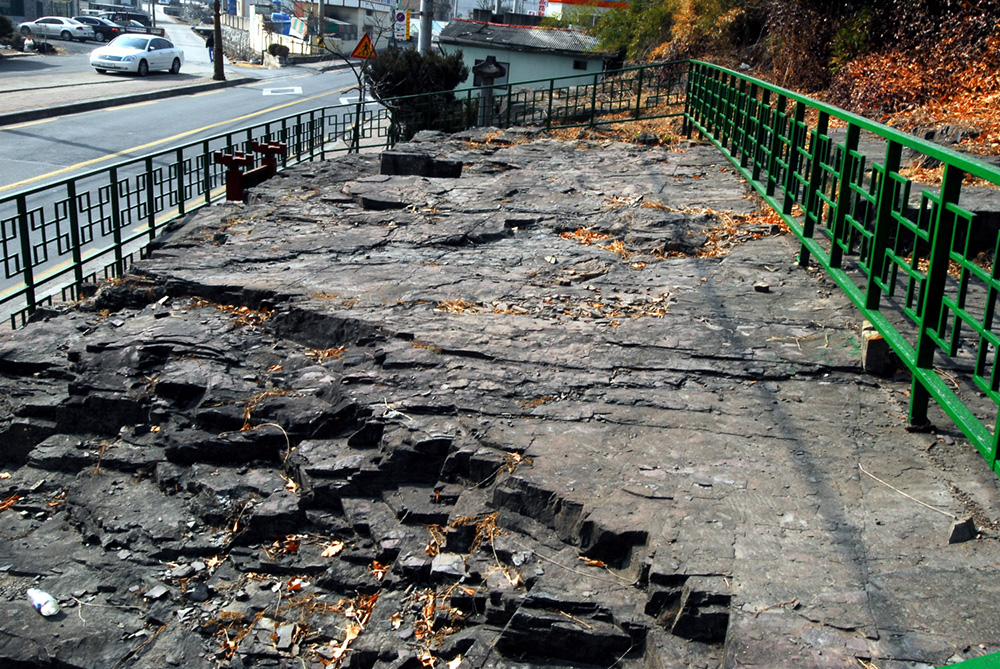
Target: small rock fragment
[(157, 592), (448, 564), (964, 530)]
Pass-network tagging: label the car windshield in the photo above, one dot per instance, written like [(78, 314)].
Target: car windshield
[(131, 43)]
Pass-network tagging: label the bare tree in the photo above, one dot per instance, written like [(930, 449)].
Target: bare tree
[(380, 27)]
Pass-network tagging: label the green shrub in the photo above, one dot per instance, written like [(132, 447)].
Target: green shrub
[(853, 39), (635, 31), (396, 73), (6, 27)]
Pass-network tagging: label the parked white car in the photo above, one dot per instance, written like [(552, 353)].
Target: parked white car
[(57, 26), (138, 54)]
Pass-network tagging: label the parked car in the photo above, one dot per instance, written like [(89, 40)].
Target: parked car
[(139, 54), (57, 26), (104, 30), (122, 17)]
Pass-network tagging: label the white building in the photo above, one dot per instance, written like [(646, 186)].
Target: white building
[(527, 53)]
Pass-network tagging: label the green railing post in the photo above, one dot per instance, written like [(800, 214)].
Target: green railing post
[(206, 172), (884, 227), (763, 111), (593, 102), (74, 238), (934, 288), (116, 223), (748, 145), (775, 147), (795, 141), (322, 134), (814, 208), (510, 103), (686, 124), (844, 195), (178, 169), (150, 212), (729, 102), (552, 92), (710, 100), (27, 266), (638, 92)]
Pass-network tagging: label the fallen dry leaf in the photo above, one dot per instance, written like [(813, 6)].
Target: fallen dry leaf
[(592, 563), (9, 502), (350, 634), (378, 569), (332, 549)]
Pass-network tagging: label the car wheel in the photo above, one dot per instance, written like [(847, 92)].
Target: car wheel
[(66, 36), (175, 67), (25, 30), (101, 37), (143, 68)]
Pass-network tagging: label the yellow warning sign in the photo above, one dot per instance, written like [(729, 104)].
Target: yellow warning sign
[(365, 49)]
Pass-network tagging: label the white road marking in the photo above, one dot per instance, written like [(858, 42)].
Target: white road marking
[(287, 90)]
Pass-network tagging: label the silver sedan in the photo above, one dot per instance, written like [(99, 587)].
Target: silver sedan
[(138, 54), (57, 26)]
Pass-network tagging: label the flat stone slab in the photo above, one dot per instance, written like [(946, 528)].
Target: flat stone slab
[(540, 413)]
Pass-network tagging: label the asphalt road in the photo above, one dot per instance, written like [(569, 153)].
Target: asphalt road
[(59, 117)]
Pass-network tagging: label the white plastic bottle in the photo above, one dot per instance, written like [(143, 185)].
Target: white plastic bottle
[(43, 602)]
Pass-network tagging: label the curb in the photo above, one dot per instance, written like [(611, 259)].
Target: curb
[(103, 103)]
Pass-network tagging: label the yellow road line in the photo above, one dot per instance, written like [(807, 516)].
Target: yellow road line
[(165, 140), (28, 124)]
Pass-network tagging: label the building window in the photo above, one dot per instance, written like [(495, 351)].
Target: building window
[(12, 7), (580, 65)]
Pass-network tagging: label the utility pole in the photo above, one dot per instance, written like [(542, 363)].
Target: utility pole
[(220, 73), (426, 26), (322, 20)]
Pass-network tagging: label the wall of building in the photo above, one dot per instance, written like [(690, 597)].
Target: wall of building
[(530, 65), (366, 16)]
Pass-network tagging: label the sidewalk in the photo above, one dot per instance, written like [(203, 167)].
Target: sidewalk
[(45, 95), (30, 98)]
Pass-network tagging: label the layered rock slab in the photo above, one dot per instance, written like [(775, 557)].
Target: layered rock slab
[(456, 418)]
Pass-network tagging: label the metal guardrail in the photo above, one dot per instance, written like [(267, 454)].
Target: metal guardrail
[(918, 260)]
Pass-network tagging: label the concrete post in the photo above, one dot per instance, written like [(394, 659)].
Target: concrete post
[(426, 17)]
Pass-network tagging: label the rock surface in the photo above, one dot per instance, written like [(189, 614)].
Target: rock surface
[(530, 416)]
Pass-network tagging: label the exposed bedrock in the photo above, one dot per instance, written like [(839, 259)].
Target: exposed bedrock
[(541, 414)]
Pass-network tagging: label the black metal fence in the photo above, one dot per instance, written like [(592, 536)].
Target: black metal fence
[(57, 237)]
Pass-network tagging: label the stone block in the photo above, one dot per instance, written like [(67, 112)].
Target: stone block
[(400, 163), (877, 357)]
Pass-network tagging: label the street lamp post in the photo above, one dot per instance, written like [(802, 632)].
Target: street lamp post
[(220, 73)]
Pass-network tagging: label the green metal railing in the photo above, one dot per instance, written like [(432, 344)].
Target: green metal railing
[(917, 260)]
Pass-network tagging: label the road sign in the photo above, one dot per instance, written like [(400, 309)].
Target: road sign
[(365, 49), (400, 28)]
